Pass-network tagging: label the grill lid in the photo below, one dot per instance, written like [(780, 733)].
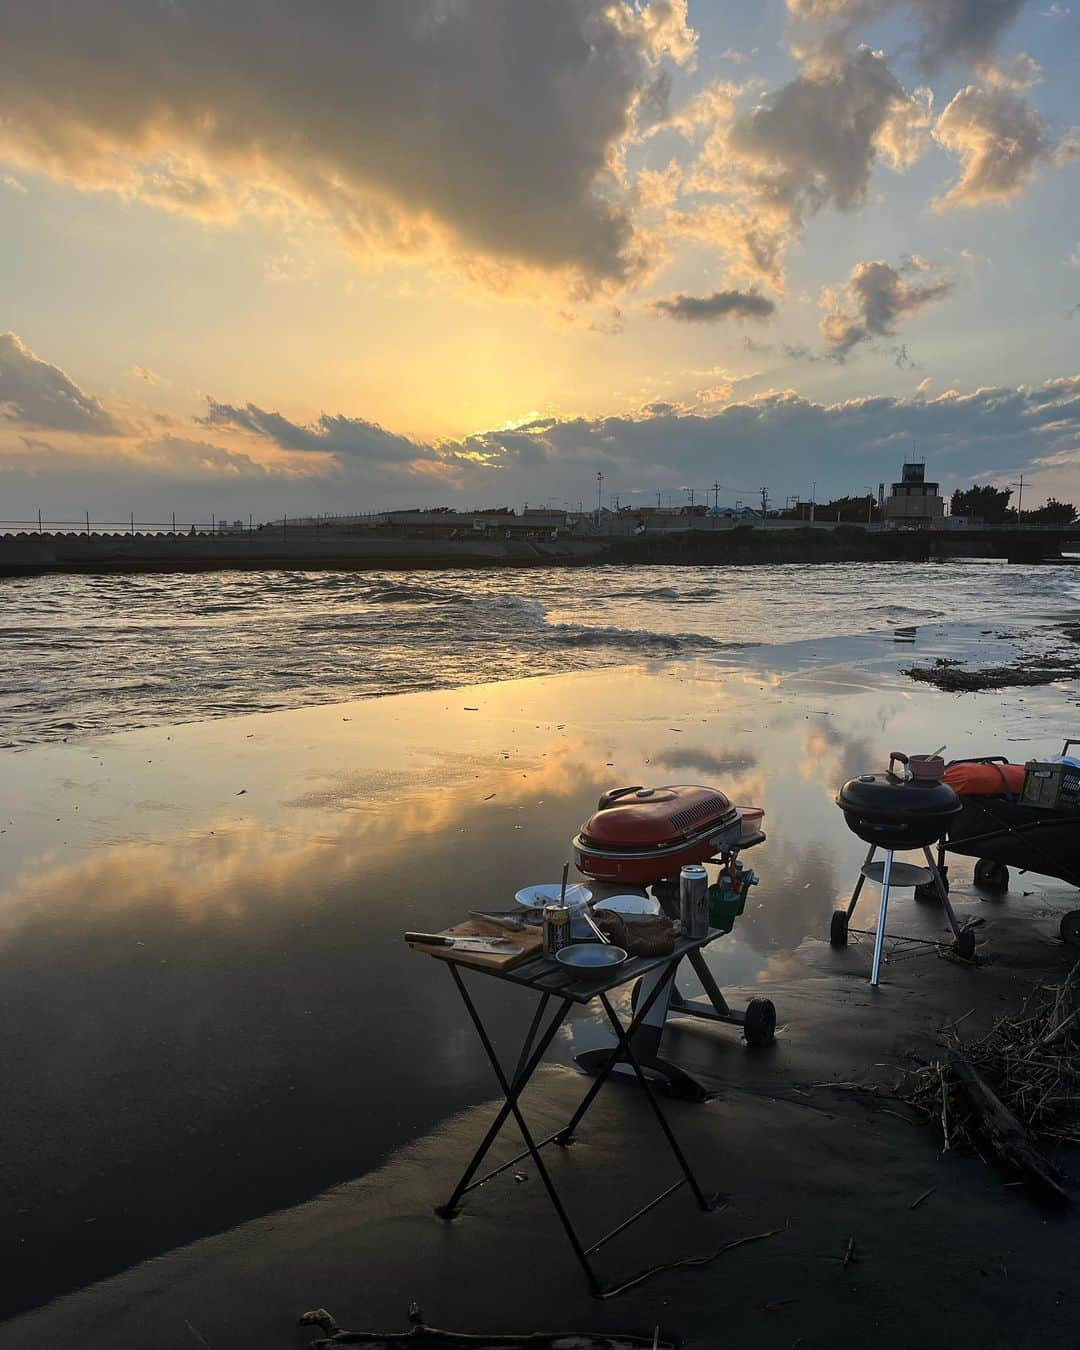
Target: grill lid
[(640, 817), (886, 797)]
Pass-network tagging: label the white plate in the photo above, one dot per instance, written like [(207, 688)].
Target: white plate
[(535, 897), (629, 904)]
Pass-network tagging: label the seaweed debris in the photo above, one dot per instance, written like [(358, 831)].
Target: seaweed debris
[(949, 676)]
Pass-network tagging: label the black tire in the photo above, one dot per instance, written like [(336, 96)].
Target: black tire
[(1070, 928), (965, 944), (991, 876), (759, 1024), (838, 928)]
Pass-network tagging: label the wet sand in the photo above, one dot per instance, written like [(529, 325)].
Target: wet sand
[(209, 1014)]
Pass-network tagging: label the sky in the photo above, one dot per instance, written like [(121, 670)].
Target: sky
[(299, 256)]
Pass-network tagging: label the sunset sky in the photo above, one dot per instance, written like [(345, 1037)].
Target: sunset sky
[(322, 255)]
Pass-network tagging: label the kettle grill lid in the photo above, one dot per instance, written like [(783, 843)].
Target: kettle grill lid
[(889, 798)]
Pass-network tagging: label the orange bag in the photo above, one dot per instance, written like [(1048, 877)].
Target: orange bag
[(983, 780)]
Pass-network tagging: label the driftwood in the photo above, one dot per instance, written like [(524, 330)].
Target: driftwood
[(1004, 1133), (432, 1338), (1013, 1088)]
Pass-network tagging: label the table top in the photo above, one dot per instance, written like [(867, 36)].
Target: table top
[(547, 976)]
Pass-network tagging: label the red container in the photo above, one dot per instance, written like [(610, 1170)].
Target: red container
[(640, 835)]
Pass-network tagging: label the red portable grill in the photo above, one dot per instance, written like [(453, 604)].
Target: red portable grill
[(641, 835)]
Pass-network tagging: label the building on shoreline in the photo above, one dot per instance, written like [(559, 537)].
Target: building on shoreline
[(913, 501)]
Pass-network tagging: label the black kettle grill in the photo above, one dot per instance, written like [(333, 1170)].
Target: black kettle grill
[(902, 810), (897, 811)]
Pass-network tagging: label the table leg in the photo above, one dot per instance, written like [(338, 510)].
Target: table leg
[(628, 1049), (611, 1057), (511, 1093)]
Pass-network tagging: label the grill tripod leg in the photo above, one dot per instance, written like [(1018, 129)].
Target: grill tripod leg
[(859, 884), (943, 895), (879, 937)]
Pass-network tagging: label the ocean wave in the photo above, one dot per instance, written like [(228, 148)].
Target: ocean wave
[(639, 639), (404, 593)]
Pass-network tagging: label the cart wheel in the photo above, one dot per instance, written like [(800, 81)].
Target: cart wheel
[(759, 1024), (965, 944), (927, 892), (991, 876), (1070, 928), (838, 928)]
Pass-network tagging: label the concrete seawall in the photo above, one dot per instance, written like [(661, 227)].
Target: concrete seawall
[(29, 553)]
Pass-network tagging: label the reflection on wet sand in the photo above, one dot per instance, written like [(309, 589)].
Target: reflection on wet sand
[(208, 1011)]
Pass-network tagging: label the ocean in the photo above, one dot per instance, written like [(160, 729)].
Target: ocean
[(86, 655)]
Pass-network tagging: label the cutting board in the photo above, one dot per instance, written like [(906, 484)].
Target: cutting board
[(528, 943)]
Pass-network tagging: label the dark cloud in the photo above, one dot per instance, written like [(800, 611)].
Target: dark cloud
[(788, 439), (785, 438), (719, 305), (949, 30), (412, 125), (964, 30), (40, 395), (332, 434), (875, 298)]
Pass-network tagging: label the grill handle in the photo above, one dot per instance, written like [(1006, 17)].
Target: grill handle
[(895, 757), (612, 795)]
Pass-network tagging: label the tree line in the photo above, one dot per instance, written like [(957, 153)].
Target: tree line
[(991, 505)]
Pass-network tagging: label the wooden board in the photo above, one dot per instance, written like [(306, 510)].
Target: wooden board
[(529, 942)]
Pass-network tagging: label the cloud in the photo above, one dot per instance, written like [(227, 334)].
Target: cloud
[(39, 395), (145, 374), (815, 141), (474, 136), (874, 299), (1001, 142), (719, 305), (786, 437), (331, 434), (949, 30), (180, 457), (13, 183), (962, 30), (782, 434)]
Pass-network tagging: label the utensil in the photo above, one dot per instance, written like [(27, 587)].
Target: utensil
[(514, 920), (562, 889), (492, 946), (601, 937), (591, 960)]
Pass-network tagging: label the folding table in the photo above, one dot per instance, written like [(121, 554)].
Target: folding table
[(553, 982)]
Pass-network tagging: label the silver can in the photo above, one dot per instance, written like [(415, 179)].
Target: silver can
[(694, 900), (556, 928)]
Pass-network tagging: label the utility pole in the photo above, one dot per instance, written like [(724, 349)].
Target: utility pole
[(869, 504), (1020, 498), (813, 501), (658, 501), (88, 522), (599, 490), (764, 505), (716, 496)]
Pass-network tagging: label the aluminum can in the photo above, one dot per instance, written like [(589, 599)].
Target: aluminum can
[(556, 928), (694, 900)]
